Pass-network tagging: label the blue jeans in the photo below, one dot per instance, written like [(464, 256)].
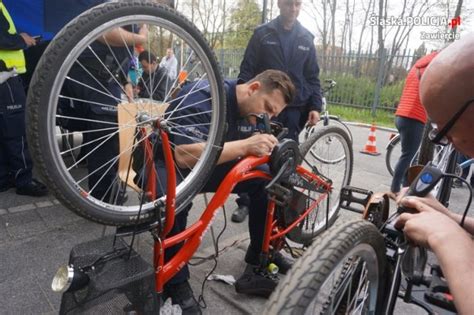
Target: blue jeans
[(411, 133), (465, 171)]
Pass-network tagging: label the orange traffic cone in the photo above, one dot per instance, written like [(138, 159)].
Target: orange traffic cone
[(371, 146)]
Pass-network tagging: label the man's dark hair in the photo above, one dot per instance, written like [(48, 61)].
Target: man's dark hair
[(147, 56), (277, 80)]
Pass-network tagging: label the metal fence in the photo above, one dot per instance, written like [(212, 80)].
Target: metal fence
[(363, 79)]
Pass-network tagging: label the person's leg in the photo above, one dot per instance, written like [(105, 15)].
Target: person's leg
[(411, 133), (243, 202), (101, 161), (465, 171), (4, 167), (177, 288), (19, 159), (103, 148)]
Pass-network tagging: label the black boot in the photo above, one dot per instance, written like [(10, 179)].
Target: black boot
[(35, 189), (182, 294)]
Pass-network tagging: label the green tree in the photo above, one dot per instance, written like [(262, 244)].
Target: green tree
[(245, 16)]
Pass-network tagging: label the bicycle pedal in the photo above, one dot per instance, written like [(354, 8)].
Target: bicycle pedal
[(438, 292), (347, 198), (279, 194), (441, 299)]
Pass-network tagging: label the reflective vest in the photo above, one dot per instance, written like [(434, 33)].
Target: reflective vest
[(12, 58)]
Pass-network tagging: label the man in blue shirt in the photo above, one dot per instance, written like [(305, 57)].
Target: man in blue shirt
[(268, 92), (284, 44)]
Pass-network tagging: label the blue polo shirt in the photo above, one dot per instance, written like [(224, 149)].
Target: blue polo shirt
[(190, 114)]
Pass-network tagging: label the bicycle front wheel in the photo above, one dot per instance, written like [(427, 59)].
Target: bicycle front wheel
[(330, 151), (80, 85), (343, 273)]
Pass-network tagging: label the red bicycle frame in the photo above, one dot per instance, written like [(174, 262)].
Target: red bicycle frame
[(192, 236)]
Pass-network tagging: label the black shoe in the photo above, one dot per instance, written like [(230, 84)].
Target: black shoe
[(256, 283), (240, 214), (34, 189), (182, 294), (7, 186), (284, 263)]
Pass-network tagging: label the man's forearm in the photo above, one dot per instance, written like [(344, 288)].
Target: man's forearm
[(468, 223), (455, 253), (187, 155)]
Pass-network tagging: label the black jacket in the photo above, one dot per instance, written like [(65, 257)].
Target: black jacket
[(264, 52)]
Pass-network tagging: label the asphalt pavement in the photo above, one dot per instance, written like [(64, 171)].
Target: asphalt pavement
[(37, 234)]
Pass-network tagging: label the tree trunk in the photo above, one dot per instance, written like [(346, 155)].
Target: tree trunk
[(457, 14)]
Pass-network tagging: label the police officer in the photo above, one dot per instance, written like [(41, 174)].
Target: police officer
[(242, 100), (284, 44), (97, 82), (15, 161)]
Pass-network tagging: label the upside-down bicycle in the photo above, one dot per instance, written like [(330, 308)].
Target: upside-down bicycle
[(99, 268)]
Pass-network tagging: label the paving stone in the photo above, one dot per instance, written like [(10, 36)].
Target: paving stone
[(29, 206), (24, 224), (57, 216), (44, 204)]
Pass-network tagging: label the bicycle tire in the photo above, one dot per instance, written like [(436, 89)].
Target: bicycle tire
[(340, 123), (427, 148), (333, 120), (444, 192), (315, 222), (390, 154), (50, 77), (302, 290)]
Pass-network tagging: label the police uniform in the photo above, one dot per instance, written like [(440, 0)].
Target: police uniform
[(293, 52), (96, 109), (15, 160)]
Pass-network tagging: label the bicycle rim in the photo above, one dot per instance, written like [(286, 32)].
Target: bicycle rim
[(74, 87), (328, 142)]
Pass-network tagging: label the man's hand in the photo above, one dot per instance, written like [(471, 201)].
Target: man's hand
[(313, 118), (260, 144), (29, 41), (430, 225)]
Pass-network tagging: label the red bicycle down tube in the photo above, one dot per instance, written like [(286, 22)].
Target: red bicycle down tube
[(193, 234)]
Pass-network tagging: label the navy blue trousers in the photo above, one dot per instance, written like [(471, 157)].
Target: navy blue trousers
[(411, 133), (96, 108), (15, 160)]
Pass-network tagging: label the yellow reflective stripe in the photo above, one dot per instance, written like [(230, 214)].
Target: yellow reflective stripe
[(12, 29), (12, 58)]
